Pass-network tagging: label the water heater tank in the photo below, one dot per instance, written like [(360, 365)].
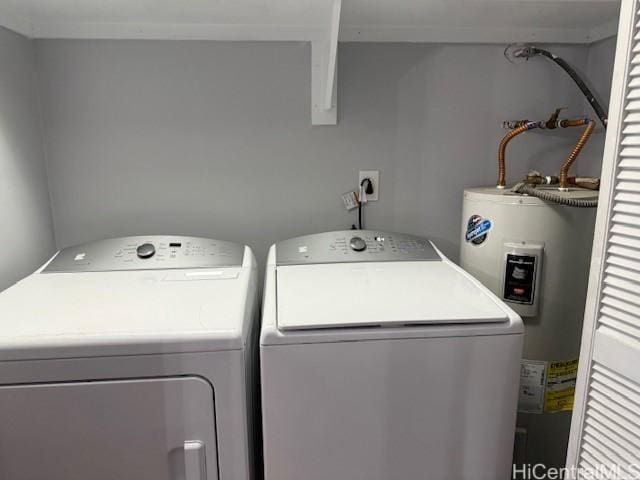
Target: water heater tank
[(535, 256)]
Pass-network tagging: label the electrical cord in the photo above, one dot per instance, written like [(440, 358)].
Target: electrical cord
[(367, 187)]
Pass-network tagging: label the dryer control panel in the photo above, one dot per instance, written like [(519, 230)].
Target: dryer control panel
[(154, 252), (354, 246)]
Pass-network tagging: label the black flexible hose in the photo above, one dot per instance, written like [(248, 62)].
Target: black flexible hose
[(602, 115)]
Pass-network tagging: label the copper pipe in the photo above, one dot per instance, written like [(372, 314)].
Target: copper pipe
[(576, 122), (590, 183), (512, 124), (564, 170), (502, 170)]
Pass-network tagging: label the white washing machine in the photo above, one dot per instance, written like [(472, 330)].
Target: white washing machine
[(130, 358), (381, 360)]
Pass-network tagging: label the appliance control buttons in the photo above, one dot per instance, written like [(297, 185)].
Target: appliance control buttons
[(146, 250), (357, 244)]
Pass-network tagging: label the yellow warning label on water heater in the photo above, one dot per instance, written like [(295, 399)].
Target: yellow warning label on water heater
[(561, 386)]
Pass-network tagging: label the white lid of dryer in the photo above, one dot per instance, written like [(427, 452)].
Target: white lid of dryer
[(119, 297), (372, 279)]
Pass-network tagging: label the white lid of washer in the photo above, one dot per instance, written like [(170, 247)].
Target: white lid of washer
[(192, 296), (357, 293)]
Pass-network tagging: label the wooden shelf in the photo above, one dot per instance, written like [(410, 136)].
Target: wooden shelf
[(322, 22)]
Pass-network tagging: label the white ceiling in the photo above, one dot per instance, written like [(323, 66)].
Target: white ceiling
[(499, 21)]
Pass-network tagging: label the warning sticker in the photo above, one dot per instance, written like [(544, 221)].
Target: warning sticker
[(532, 386), (561, 386), (547, 386)]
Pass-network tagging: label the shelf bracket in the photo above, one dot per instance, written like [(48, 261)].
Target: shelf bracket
[(324, 72)]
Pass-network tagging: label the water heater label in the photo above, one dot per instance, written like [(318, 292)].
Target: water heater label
[(533, 378), (477, 229), (561, 386), (547, 387), (520, 278)]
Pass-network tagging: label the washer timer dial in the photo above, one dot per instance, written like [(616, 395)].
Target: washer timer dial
[(146, 250), (357, 244)]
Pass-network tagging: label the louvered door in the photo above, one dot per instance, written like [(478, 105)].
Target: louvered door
[(605, 431)]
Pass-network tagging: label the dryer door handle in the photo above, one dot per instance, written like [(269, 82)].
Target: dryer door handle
[(195, 461)]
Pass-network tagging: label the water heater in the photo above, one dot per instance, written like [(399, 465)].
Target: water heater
[(535, 256)]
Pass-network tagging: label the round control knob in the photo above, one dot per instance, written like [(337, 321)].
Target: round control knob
[(357, 244), (146, 250)]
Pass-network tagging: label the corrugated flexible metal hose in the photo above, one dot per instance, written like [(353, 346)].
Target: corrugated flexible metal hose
[(502, 168), (548, 196), (564, 171)]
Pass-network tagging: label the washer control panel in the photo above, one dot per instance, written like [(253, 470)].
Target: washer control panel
[(354, 246), (154, 252)]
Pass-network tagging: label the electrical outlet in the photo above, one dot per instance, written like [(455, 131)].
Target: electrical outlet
[(374, 176), (350, 200)]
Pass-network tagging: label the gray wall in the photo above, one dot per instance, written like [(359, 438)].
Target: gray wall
[(599, 73), (214, 139), (25, 215)]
